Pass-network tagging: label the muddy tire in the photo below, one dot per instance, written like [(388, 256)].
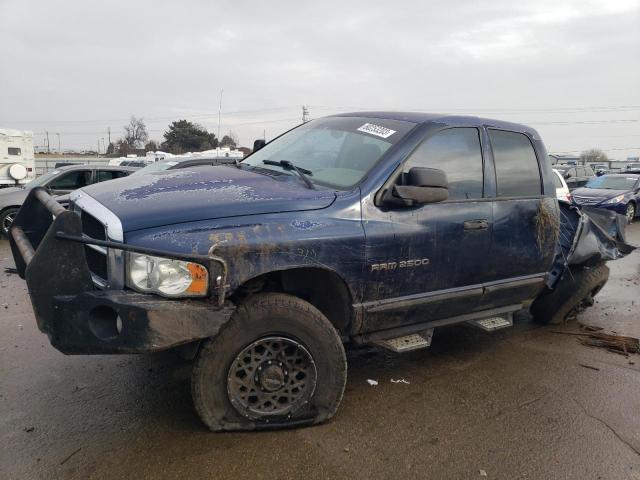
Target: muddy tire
[(6, 219), (278, 363), (574, 293)]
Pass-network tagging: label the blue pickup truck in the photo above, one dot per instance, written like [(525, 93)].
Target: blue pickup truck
[(362, 228)]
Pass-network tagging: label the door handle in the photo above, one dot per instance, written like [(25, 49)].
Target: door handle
[(480, 224)]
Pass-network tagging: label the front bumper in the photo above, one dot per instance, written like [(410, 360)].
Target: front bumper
[(48, 249)]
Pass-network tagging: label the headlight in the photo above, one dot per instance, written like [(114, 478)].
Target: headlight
[(165, 276), (617, 199)]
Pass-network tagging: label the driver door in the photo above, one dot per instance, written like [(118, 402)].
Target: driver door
[(427, 262)]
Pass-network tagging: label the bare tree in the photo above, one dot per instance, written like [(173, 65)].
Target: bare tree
[(593, 155), (135, 133)]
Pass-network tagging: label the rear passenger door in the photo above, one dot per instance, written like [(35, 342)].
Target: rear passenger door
[(516, 258)]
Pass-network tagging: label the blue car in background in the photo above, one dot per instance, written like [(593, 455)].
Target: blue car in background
[(618, 192)]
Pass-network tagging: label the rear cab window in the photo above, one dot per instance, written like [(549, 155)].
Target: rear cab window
[(457, 152), (516, 164)]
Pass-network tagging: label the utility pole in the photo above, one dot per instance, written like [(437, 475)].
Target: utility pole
[(48, 145), (109, 131), (219, 115), (59, 149), (305, 114)]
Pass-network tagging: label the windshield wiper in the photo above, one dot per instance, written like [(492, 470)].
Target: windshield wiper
[(287, 165)]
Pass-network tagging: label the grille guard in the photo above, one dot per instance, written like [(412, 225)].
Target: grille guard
[(47, 246)]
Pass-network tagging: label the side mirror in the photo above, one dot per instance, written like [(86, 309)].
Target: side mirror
[(258, 144), (422, 185)]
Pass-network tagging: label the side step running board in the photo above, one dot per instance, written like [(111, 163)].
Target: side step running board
[(493, 323), (418, 335), (409, 342)]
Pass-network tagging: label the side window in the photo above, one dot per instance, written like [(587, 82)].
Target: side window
[(457, 152), (588, 171), (71, 180), (104, 175), (556, 180), (14, 151), (571, 173), (580, 172), (517, 171)]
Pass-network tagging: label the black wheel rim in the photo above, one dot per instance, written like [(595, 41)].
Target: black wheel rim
[(8, 220), (271, 377)]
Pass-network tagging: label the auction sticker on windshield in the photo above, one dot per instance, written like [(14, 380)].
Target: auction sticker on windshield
[(376, 130)]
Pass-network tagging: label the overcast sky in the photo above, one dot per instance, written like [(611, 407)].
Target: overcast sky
[(570, 69)]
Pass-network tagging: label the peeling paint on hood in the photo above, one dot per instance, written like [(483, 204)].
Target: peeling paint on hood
[(203, 193)]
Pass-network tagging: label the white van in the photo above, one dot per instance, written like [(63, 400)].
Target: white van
[(17, 164)]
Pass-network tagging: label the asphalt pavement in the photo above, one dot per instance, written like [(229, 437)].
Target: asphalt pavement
[(523, 402)]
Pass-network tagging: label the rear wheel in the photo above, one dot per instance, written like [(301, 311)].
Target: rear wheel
[(573, 294), (279, 362), (6, 219), (630, 212)]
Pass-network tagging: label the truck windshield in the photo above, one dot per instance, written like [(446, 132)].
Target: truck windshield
[(612, 183), (337, 151)]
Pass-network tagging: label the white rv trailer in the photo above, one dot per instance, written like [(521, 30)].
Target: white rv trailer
[(17, 164)]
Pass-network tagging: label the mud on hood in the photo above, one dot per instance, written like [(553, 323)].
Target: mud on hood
[(203, 193)]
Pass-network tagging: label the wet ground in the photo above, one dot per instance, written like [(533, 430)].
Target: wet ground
[(523, 402)]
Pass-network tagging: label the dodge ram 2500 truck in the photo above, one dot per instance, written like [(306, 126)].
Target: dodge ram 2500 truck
[(362, 228)]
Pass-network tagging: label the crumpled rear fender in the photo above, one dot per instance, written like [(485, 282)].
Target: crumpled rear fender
[(588, 236)]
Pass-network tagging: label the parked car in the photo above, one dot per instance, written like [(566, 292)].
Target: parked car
[(562, 190), (617, 192), (183, 162), (362, 228), (576, 175), (632, 166), (599, 168), (60, 181)]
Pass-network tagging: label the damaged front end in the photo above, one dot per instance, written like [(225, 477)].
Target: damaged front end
[(587, 237), (48, 246)]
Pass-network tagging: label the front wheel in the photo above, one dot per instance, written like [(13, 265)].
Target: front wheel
[(630, 212), (6, 219), (278, 363)]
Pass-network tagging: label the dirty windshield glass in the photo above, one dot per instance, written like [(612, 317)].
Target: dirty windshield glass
[(612, 183), (337, 151)]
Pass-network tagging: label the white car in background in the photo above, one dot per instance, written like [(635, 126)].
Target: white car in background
[(562, 190)]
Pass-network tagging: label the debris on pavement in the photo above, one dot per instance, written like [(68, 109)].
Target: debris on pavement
[(612, 342), (69, 456), (29, 429), (483, 473), (10, 270), (372, 382), (402, 380), (589, 367)]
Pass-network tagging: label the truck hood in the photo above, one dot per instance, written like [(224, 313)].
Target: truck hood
[(202, 193)]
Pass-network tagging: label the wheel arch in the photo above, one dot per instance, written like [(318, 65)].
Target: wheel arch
[(322, 287)]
